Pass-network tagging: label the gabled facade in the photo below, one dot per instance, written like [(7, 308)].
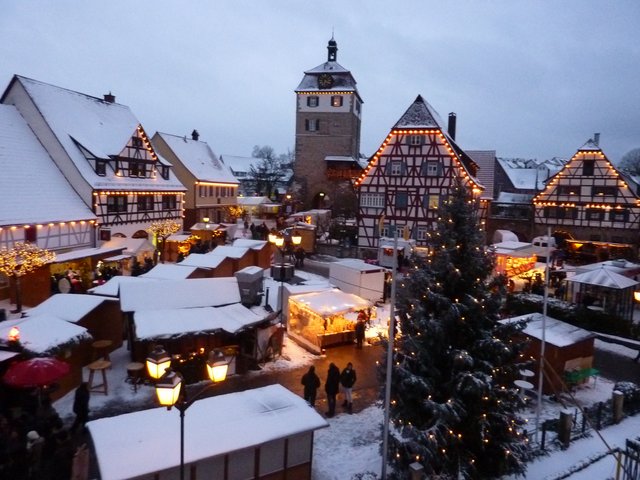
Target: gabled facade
[(37, 204), (211, 187), (328, 123), (410, 176), (590, 200), (104, 153)]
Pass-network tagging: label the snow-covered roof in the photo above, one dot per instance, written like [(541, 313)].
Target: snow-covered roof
[(34, 191), (251, 201), (86, 252), (530, 174), (202, 260), (103, 128), (331, 302), (340, 158), (248, 243), (169, 271), (71, 308), (359, 265), (556, 332), (604, 277), (156, 324), (229, 251), (127, 445), (251, 270), (620, 266), (132, 246), (199, 159), (44, 333), (508, 197), (420, 114), (147, 294), (111, 288)]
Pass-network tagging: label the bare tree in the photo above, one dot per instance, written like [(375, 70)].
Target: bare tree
[(630, 162), (269, 170)]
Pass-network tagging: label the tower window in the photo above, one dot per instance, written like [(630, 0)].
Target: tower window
[(312, 101), (312, 125), (336, 101)]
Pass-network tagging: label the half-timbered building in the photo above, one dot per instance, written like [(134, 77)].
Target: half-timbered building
[(103, 152), (211, 187), (590, 201), (410, 176), (328, 123)]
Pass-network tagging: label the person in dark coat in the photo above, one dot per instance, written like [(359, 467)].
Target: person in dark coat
[(347, 381), (360, 327), (331, 387), (311, 384), (81, 406)]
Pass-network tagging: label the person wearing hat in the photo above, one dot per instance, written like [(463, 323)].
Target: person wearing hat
[(35, 444)]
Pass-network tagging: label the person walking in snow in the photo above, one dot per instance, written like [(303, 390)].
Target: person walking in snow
[(331, 387), (81, 406), (347, 380), (360, 329), (311, 384)]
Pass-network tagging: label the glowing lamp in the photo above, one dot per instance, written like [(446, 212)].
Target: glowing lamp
[(636, 296), (168, 388), (158, 362), (279, 241), (14, 334), (217, 366), (205, 219), (296, 238), (272, 238)]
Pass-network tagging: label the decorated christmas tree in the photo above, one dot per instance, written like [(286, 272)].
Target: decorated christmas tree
[(454, 408)]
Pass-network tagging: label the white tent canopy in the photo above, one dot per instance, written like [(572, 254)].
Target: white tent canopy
[(604, 277), (332, 302)]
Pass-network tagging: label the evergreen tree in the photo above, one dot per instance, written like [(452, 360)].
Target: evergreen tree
[(453, 404)]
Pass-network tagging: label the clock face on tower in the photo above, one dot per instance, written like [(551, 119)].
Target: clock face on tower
[(325, 81)]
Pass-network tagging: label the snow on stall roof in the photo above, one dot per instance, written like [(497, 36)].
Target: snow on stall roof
[(111, 288), (229, 251), (154, 324), (85, 252), (331, 302), (202, 260), (509, 197), (166, 294), (603, 277), (247, 243), (7, 355), (178, 237), (135, 444), (618, 266), (251, 270), (71, 308), (102, 127), (250, 201), (43, 333), (169, 271), (131, 246), (360, 265), (199, 159), (25, 164), (557, 332)]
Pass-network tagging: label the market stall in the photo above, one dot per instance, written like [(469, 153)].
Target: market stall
[(321, 319)]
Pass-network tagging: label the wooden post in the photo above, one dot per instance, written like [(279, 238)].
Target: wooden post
[(417, 471), (564, 428), (617, 399)]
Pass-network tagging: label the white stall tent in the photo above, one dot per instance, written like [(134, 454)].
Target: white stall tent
[(358, 277)]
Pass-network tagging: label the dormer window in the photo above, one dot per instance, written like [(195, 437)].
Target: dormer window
[(101, 168), (137, 169), (164, 171)]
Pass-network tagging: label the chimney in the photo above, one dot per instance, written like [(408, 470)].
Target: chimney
[(452, 125), (195, 135), (596, 139), (109, 98)]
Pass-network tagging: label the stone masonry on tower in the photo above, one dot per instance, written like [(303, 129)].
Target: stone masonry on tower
[(328, 119)]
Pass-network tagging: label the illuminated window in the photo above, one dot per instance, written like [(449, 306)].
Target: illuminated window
[(568, 189), (336, 101), (432, 202), (600, 191), (312, 101)]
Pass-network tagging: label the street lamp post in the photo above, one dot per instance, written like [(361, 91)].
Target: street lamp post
[(284, 271), (171, 392)]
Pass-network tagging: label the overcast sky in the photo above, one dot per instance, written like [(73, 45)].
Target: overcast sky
[(526, 78)]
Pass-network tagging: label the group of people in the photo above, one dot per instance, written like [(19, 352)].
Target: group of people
[(336, 381)]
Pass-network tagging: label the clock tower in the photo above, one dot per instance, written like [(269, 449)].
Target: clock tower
[(327, 149)]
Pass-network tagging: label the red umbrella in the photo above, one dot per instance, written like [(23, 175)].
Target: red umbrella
[(35, 372)]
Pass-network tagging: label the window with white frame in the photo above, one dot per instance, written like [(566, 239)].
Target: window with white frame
[(395, 167), (422, 233), (312, 125), (431, 169), (374, 200), (415, 140), (312, 101)]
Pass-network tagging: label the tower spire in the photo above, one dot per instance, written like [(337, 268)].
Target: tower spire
[(332, 47)]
